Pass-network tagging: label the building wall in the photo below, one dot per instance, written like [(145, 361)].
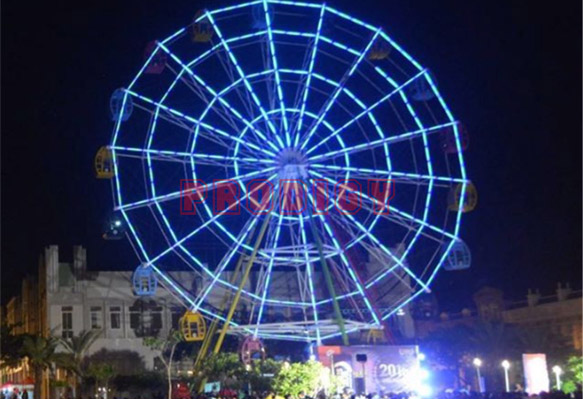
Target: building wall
[(68, 287), (560, 313), (79, 300), (562, 317)]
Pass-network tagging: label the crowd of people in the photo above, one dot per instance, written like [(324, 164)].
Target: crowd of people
[(448, 394), (231, 394)]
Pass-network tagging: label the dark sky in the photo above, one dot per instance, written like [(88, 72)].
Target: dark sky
[(510, 70)]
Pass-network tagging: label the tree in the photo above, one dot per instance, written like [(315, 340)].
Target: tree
[(77, 347), (574, 374), (10, 346), (224, 367), (40, 352), (298, 377), (166, 347), (260, 374), (101, 373)]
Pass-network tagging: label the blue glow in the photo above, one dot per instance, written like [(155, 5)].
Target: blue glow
[(246, 151), (309, 77), (334, 97), (276, 72), (246, 82)]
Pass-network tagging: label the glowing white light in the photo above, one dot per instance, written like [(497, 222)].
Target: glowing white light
[(421, 356), (506, 364), (424, 391), (477, 362)]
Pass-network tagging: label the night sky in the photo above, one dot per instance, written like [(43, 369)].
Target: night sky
[(510, 70)]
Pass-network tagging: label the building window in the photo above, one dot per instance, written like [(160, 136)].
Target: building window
[(67, 321), (136, 318), (115, 317), (157, 318), (96, 317), (176, 315)]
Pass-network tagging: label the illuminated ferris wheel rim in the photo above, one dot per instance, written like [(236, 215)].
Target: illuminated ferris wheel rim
[(289, 139)]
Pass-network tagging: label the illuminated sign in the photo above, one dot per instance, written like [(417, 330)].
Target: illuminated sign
[(536, 374), (387, 368)]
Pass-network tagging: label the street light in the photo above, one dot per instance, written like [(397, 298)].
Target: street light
[(506, 366), (558, 371), (478, 362)]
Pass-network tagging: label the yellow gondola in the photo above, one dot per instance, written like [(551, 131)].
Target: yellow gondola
[(202, 31), (374, 335), (470, 198), (380, 50), (104, 164), (193, 327)]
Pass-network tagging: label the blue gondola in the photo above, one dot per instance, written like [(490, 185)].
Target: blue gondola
[(144, 281), (421, 90), (459, 257), (117, 106), (259, 20)]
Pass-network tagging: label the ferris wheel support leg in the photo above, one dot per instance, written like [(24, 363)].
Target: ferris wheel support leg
[(213, 327), (244, 279), (215, 323), (328, 279)]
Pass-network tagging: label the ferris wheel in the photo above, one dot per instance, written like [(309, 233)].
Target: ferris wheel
[(266, 104)]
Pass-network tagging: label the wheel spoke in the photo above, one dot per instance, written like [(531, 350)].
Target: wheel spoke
[(365, 112), (204, 125), (338, 90), (276, 72), (244, 77), (345, 262), (309, 77), (197, 190), (377, 143), (223, 102)]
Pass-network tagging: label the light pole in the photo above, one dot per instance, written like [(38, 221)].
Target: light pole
[(558, 371), (477, 363), (506, 366)]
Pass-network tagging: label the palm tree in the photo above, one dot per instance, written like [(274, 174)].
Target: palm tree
[(40, 352), (76, 347)]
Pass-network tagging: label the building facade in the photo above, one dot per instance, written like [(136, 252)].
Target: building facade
[(65, 299), (559, 315)]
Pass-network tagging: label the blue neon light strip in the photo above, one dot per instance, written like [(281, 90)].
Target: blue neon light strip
[(376, 172), (215, 157), (338, 90), (269, 270), (309, 77), (365, 112), (379, 142), (245, 81), (180, 194), (276, 73), (310, 279), (224, 102), (344, 260), (391, 208), (192, 120), (266, 155)]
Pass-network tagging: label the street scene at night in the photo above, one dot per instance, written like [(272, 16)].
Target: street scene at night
[(280, 199)]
